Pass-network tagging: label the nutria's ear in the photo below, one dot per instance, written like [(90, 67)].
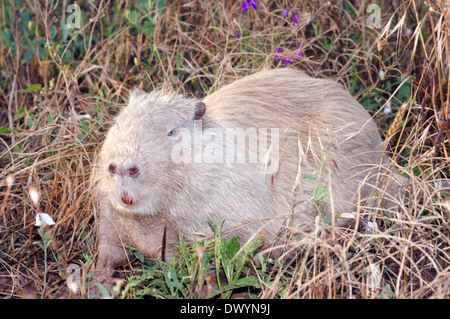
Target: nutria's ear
[(134, 94), (200, 109)]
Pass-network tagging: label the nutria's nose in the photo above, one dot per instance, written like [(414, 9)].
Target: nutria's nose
[(132, 171)]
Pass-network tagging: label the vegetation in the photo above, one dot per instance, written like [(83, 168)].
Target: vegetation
[(63, 76)]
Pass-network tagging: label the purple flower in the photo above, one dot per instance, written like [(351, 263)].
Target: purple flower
[(249, 3), (297, 17), (298, 53), (286, 13), (280, 57), (237, 35), (290, 57)]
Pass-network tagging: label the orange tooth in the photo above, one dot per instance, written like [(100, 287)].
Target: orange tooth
[(127, 201)]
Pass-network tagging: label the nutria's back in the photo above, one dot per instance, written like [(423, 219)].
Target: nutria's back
[(315, 117)]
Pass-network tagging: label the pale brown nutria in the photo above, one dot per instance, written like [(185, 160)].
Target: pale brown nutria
[(147, 179)]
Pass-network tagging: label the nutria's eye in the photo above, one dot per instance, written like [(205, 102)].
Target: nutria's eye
[(171, 133), (112, 169)]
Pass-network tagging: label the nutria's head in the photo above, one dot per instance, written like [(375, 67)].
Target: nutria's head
[(136, 172)]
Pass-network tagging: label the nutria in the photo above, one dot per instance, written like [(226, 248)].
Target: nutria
[(315, 134)]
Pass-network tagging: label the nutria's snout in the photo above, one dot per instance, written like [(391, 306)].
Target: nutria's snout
[(122, 172)]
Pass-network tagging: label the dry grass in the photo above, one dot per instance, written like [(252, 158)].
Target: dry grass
[(189, 46)]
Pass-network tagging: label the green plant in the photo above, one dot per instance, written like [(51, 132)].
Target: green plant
[(233, 260), (320, 192), (45, 245), (187, 274)]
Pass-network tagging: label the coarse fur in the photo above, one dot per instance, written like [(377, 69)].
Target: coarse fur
[(326, 138)]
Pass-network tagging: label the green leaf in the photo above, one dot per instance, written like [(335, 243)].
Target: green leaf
[(171, 280), (161, 4), (250, 281), (321, 194), (32, 88), (41, 245), (217, 245), (131, 16), (327, 220), (103, 291), (306, 176), (22, 112), (183, 251), (4, 130), (180, 59), (139, 256), (247, 252), (50, 118), (229, 252), (64, 30), (387, 293), (232, 248)]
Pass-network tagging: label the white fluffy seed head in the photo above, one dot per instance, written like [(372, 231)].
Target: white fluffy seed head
[(10, 179), (34, 194)]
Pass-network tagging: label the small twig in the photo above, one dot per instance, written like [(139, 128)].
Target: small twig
[(10, 117), (164, 240), (9, 184)]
